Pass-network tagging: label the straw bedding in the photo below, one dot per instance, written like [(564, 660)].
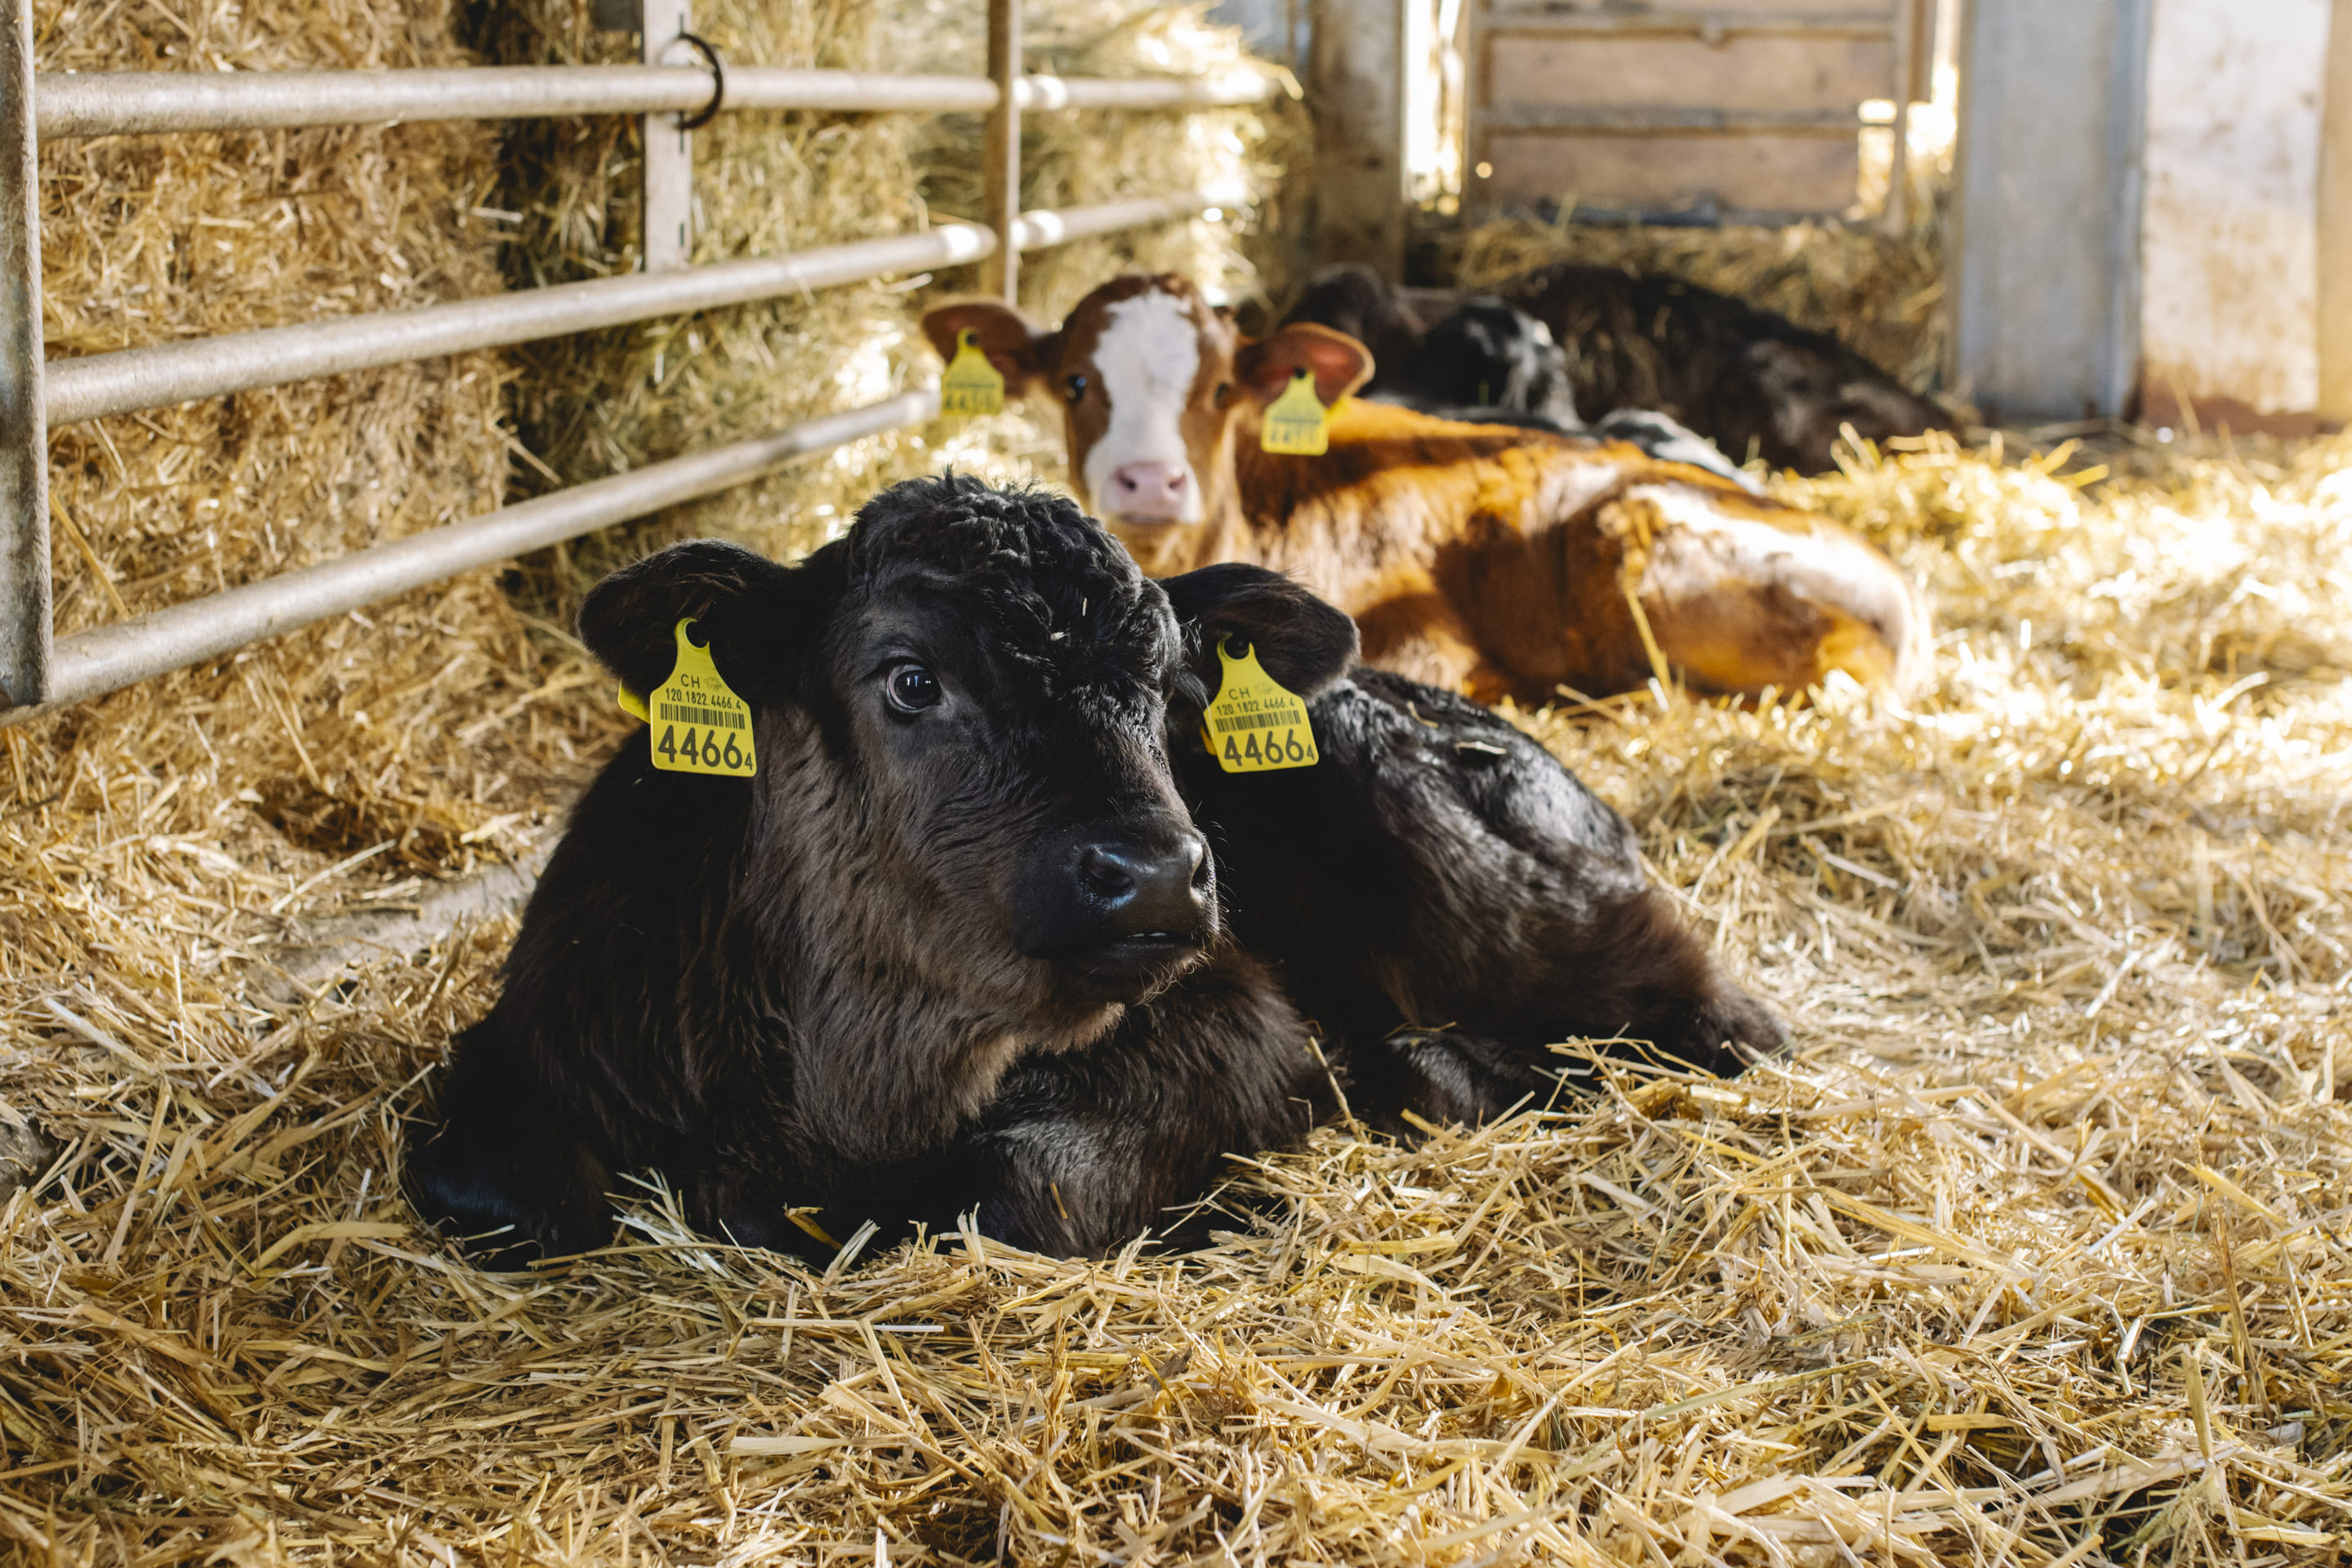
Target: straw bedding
[(2034, 1251)]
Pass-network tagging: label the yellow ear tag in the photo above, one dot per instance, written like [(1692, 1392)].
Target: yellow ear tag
[(631, 703), (699, 725), (969, 385), (1255, 725), (1296, 423)]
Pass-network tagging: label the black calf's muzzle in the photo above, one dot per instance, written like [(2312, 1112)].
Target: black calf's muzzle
[(1121, 907), (1146, 891)]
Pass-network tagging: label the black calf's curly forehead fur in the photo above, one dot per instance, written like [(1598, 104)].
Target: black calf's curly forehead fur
[(1046, 588)]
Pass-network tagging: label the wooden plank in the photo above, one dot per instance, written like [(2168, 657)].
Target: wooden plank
[(1360, 146), (1777, 172), (1619, 121), (1708, 25), (1743, 72), (1730, 13), (999, 154)]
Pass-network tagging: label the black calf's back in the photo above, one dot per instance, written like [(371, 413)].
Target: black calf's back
[(1442, 898), (1448, 902)]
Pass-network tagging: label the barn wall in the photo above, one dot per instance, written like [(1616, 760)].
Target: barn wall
[(2229, 246), (2047, 212)]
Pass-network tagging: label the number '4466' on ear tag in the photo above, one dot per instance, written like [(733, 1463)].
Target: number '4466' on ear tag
[(1297, 423), (1255, 725), (699, 725), (970, 384)]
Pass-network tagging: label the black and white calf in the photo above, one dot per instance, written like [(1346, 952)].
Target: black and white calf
[(1483, 360)]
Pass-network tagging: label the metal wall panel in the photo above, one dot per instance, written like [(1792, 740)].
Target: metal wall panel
[(2045, 255)]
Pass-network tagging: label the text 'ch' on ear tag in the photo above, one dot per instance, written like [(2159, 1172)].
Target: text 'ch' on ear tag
[(1255, 724), (970, 384), (1297, 423), (699, 725)]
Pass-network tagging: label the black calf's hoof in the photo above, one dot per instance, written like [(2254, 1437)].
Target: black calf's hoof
[(1734, 1031)]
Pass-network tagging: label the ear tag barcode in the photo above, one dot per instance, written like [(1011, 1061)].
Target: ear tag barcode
[(1255, 725), (699, 726), (1297, 423), (970, 384)]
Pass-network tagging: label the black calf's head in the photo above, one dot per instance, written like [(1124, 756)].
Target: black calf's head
[(962, 711), (1487, 354)]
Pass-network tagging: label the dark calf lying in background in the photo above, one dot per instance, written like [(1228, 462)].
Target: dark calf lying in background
[(957, 945), (1483, 363), (1636, 351), (1747, 380)]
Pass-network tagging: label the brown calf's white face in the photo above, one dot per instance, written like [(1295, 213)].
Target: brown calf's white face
[(1140, 385), (1154, 385)]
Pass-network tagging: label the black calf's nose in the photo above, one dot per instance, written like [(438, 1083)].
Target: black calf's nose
[(1147, 888)]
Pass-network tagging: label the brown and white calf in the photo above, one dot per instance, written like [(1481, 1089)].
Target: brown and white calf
[(1492, 559)]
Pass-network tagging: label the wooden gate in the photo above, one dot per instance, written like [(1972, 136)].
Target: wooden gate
[(1746, 109)]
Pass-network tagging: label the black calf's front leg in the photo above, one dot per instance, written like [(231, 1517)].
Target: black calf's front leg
[(504, 1171), (1082, 1152)]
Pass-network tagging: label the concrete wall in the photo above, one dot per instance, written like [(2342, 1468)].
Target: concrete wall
[(2230, 235)]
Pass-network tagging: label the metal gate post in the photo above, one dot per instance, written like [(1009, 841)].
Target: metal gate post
[(1895, 215), (23, 432), (669, 148), (999, 155)]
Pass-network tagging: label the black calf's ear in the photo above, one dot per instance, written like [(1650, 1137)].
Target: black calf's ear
[(752, 613), (1301, 641)]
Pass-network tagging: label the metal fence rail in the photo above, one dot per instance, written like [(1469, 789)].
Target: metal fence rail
[(160, 102), (37, 677), (106, 658), (95, 386)]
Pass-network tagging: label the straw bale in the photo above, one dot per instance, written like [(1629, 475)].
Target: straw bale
[(1249, 158), (2035, 1250), (598, 403), (305, 751), (767, 184)]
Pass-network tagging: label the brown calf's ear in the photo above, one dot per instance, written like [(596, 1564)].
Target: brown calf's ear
[(1340, 363), (753, 614), (1301, 641), (1020, 353)]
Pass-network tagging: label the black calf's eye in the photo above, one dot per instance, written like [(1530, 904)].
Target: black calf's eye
[(1225, 393), (910, 688), (1078, 387)]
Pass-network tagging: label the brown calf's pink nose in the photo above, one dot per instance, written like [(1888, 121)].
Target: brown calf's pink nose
[(1149, 490)]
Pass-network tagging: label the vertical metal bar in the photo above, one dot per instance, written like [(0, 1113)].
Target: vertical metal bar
[(1000, 154), (1475, 153), (1896, 213), (670, 151), (24, 433)]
